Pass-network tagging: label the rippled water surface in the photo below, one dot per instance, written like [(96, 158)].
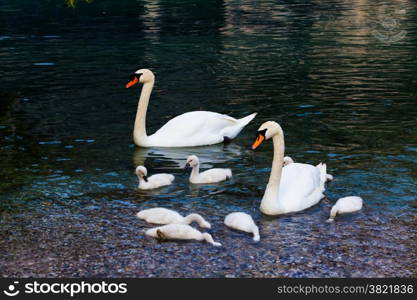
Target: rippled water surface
[(339, 76)]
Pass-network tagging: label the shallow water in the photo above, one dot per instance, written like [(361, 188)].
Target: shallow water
[(339, 76)]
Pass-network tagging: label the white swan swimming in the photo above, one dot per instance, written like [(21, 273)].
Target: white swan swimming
[(154, 181), (294, 187), (208, 176), (180, 232), (345, 205), (196, 128), (288, 160), (160, 215), (244, 222)]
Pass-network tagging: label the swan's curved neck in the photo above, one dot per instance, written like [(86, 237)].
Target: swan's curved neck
[(141, 180), (270, 201), (195, 171), (139, 132), (194, 218)]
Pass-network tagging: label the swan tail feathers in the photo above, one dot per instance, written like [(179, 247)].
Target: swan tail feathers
[(141, 214), (232, 131), (245, 121), (323, 174)]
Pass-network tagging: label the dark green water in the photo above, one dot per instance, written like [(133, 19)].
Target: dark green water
[(339, 76)]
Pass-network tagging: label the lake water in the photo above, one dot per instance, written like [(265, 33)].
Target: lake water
[(339, 76)]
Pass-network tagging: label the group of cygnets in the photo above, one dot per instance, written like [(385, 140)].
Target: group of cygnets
[(292, 187), (159, 180), (175, 226)]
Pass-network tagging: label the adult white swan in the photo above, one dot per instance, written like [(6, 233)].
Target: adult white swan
[(291, 188), (196, 128)]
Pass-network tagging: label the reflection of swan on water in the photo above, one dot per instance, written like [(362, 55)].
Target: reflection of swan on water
[(176, 157), (206, 191)]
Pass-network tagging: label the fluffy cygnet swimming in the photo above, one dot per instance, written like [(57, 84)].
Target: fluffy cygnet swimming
[(154, 181), (208, 176)]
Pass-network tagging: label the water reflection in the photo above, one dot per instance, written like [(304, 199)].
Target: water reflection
[(209, 156)]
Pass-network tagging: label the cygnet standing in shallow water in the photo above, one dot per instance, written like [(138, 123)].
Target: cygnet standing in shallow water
[(154, 181), (244, 222), (209, 176), (180, 232), (345, 205), (160, 215)]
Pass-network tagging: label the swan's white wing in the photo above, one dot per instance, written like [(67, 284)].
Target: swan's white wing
[(195, 129), (300, 187), (196, 122)]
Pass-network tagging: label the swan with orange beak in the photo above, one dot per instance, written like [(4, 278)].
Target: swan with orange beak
[(293, 188), (196, 128)]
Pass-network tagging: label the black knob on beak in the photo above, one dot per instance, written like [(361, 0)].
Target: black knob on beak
[(187, 167)]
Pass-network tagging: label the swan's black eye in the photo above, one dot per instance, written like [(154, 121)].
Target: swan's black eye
[(135, 75), (261, 132)]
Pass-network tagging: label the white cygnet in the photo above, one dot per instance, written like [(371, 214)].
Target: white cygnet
[(244, 222), (345, 205), (287, 160), (180, 232), (208, 176), (160, 215), (154, 181)]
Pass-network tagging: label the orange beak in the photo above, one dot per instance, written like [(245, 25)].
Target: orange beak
[(132, 82), (259, 140)]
